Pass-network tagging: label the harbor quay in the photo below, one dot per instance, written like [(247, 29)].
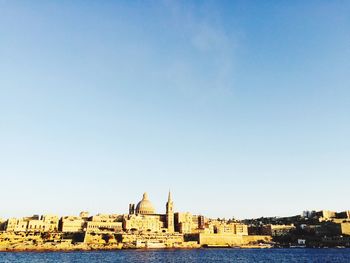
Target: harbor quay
[(143, 228)]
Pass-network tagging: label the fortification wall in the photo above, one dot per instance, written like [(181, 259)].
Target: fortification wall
[(229, 239)]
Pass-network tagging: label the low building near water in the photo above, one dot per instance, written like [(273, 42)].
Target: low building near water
[(70, 224)]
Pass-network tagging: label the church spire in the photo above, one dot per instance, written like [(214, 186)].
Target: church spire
[(170, 214), (169, 197)]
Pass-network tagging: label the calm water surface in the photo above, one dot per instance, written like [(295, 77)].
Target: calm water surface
[(200, 255)]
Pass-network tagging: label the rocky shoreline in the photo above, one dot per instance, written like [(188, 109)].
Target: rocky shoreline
[(94, 247), (64, 247)]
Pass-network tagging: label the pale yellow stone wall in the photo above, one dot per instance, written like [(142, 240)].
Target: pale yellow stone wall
[(152, 223), (227, 239), (224, 239), (219, 227), (51, 222), (345, 228), (100, 238), (16, 225), (185, 227), (326, 215), (169, 238), (72, 224), (241, 229), (97, 227), (48, 223), (36, 225), (188, 223), (105, 218), (254, 238), (185, 222)]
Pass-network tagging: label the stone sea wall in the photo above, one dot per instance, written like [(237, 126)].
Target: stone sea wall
[(113, 241)]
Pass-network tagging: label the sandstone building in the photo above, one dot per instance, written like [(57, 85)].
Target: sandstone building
[(144, 218), (142, 226)]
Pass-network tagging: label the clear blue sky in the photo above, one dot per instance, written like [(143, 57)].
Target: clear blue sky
[(241, 108)]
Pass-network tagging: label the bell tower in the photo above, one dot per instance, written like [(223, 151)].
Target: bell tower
[(170, 214)]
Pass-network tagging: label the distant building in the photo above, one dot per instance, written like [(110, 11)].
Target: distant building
[(70, 224), (144, 217), (16, 225), (277, 230), (50, 222), (188, 223), (47, 223), (325, 215), (220, 227), (103, 227)]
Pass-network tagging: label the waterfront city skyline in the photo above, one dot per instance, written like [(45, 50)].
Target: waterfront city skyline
[(241, 108)]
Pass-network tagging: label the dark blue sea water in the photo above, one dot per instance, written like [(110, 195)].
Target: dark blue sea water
[(200, 255)]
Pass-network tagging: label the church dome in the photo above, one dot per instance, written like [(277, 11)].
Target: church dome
[(145, 206)]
